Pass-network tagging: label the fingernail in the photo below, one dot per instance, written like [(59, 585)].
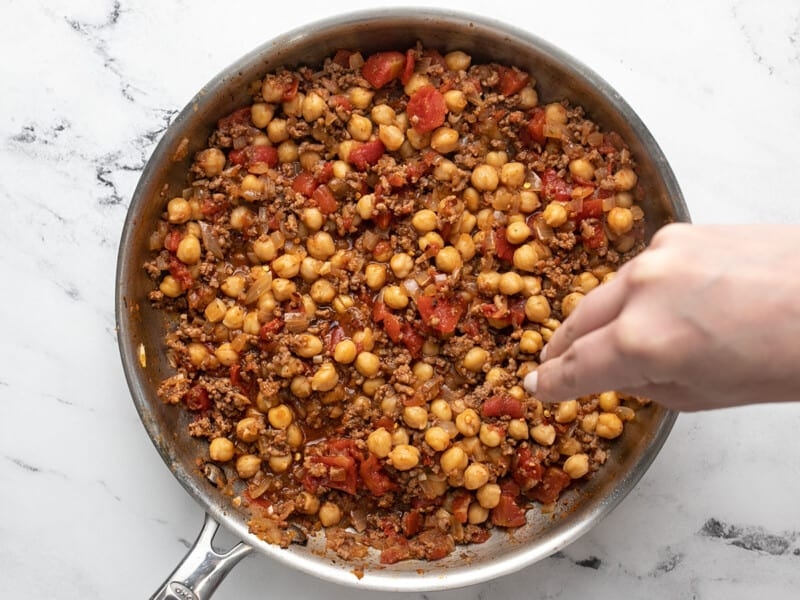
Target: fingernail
[(543, 354), (531, 381)]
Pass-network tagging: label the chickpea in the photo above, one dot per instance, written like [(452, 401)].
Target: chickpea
[(589, 422), (477, 514), (359, 127), (492, 436), (366, 206), (609, 426), (422, 371), (401, 264), (395, 296), (400, 436), (170, 287), (489, 282), (511, 283), (475, 358), (415, 417), (325, 379), (265, 249), (368, 364), (531, 342), (221, 449), (526, 258), (371, 386), (577, 465), (476, 475), (518, 429), (375, 275), (537, 309), (313, 107), (294, 436), (283, 289), (189, 250), (495, 376), (365, 338), (570, 302), (280, 463), (440, 409), (581, 168), (307, 345), (437, 438), (620, 220), (496, 158), (310, 268), (533, 285), (321, 245), (286, 265), (608, 401), (379, 442), (454, 460), (488, 495), (391, 136), (404, 457), (555, 214), (211, 161), (543, 434), (322, 291), (625, 180), (247, 465), (344, 352), (623, 199), (424, 220), (300, 386), (455, 100), (485, 178), (555, 114), (567, 411), (517, 232), (383, 114), (234, 317), (512, 174), (468, 422), (233, 286), (179, 210), (585, 282), (312, 218), (226, 355), (457, 60), (307, 503), (329, 514), (449, 259), (445, 140), (528, 98)]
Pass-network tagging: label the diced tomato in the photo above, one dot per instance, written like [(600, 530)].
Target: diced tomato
[(512, 80), (341, 474), (383, 219), (250, 155), (554, 187), (342, 58), (516, 311), (375, 477), (412, 339), (527, 469), (197, 399), (553, 483), (391, 322), (325, 200), (441, 314), (503, 405), (214, 205), (535, 127), (269, 328), (592, 234), (172, 240), (240, 116), (342, 102), (304, 183), (180, 272), (326, 172), (408, 68), (426, 109), (367, 154), (397, 551), (461, 500), (592, 208), (470, 327), (504, 250), (335, 335), (508, 513), (290, 91), (382, 68), (411, 523)]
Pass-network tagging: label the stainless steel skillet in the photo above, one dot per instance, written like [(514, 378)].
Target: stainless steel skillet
[(141, 329)]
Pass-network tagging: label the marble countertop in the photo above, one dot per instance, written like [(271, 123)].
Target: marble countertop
[(87, 508)]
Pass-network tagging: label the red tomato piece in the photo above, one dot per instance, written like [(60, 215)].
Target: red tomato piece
[(512, 80), (325, 200), (461, 500), (180, 272), (535, 127), (290, 91), (503, 405), (172, 240), (304, 183), (269, 328), (439, 313), (504, 250), (250, 155), (412, 339), (383, 67), (341, 474), (342, 102), (553, 483), (592, 208), (554, 187), (367, 154), (527, 469), (508, 513), (426, 109), (408, 68), (592, 234), (342, 58), (197, 399), (335, 335), (397, 551), (240, 116), (411, 523), (375, 477)]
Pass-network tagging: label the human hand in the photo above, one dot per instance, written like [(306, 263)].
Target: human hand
[(706, 317)]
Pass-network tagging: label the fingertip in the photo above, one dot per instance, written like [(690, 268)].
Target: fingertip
[(543, 353), (531, 382)]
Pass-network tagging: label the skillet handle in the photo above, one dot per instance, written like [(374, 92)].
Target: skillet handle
[(202, 569)]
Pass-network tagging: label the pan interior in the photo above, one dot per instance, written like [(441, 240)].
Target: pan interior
[(141, 329)]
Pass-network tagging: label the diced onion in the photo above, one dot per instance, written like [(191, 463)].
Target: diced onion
[(210, 241), (609, 203), (543, 230)]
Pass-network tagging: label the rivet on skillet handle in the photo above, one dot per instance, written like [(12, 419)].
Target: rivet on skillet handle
[(202, 569)]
